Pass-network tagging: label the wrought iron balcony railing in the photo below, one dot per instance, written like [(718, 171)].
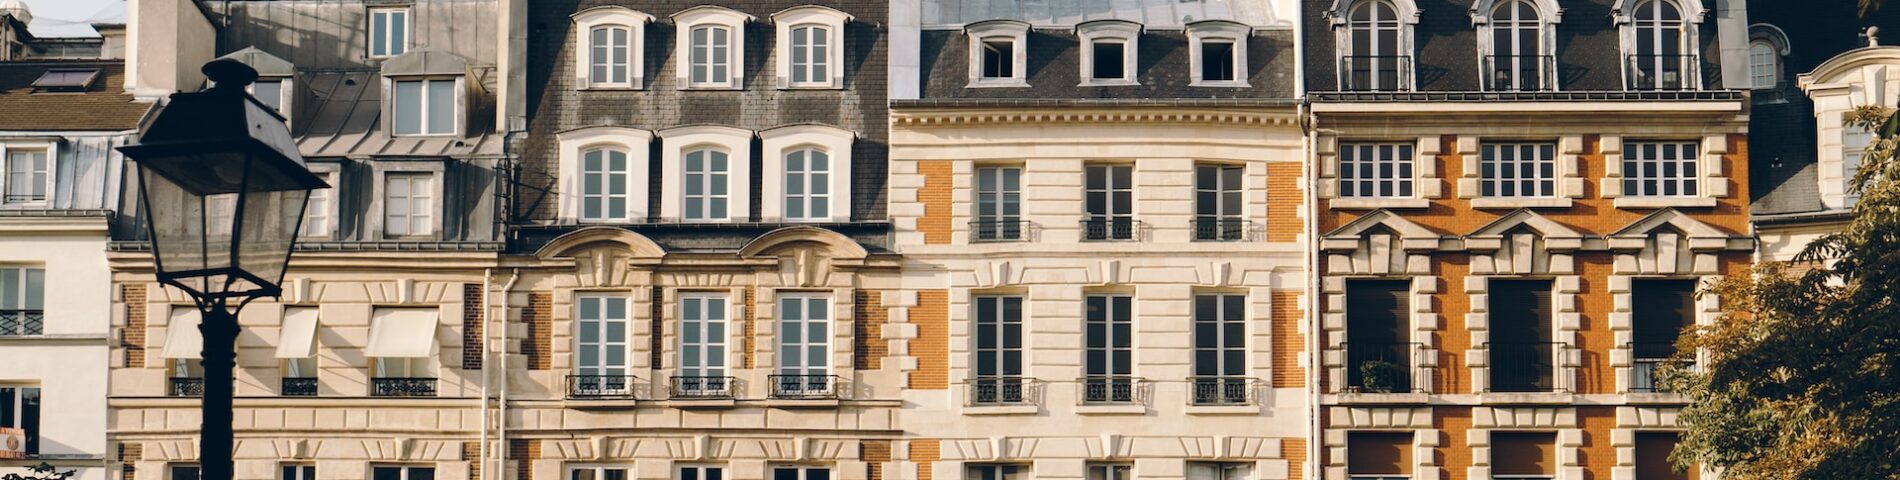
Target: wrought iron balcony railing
[(1113, 390), (999, 391), (299, 387), (402, 387), (601, 387), (1519, 73), (1375, 367), (1647, 360), (1110, 228), (21, 322), (999, 230), (1663, 72), (701, 387), (1222, 390), (187, 387), (806, 387), (1222, 229), (1524, 366), (1375, 73)]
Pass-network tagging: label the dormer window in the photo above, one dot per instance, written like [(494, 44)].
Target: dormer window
[(998, 53), (707, 174), (1515, 46), (711, 45), (1108, 57), (811, 53), (26, 174), (1766, 47), (274, 86), (65, 80), (1218, 53), (603, 175), (611, 47), (274, 92), (1375, 45), (425, 106), (388, 32), (807, 174), (1659, 38)]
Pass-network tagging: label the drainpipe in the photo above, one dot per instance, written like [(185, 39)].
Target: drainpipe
[(488, 280), (502, 411), (1315, 357)]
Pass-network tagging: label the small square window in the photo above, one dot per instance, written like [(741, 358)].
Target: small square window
[(1108, 61), (1217, 61), (598, 473), (402, 473), (291, 471), (1111, 471), (799, 472), (999, 59), (997, 471), (388, 32), (182, 472), (701, 472), (27, 176)]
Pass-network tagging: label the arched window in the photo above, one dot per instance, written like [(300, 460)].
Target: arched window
[(807, 184), (1517, 60), (711, 60), (604, 185), (1374, 61), (707, 171), (1764, 64), (609, 55), (1662, 59), (811, 60)]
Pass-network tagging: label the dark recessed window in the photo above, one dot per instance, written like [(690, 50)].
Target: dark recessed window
[(1108, 60), (999, 59), (1217, 61)]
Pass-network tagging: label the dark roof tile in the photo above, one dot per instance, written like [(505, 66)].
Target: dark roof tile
[(103, 106)]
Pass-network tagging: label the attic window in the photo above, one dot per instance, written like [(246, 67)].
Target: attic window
[(65, 80)]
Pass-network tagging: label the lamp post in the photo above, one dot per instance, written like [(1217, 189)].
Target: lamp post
[(223, 190)]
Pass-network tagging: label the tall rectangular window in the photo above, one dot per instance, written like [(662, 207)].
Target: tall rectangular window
[(1217, 203), (20, 408), (701, 472), (604, 183), (1652, 456), (1109, 326), (1660, 169), (807, 185), (800, 472), (1378, 455), (384, 472), (702, 367), (1524, 455), (609, 58), (1523, 355), (804, 345), (811, 55), (711, 57), (409, 204), (1111, 471), (999, 350), (1378, 333), (706, 184), (27, 172), (1220, 350), (1854, 143), (22, 299), (1661, 309), (999, 59), (290, 471), (388, 31), (597, 473), (602, 334), (1375, 170), (1217, 61), (1517, 169), (999, 204), (318, 217), (425, 107), (1110, 202), (1219, 471)]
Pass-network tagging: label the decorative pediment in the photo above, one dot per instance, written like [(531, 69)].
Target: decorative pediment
[(1379, 243), (1491, 235), (1523, 242), (1668, 242), (806, 255), (575, 242), (1348, 236), (1339, 12), (1668, 220)]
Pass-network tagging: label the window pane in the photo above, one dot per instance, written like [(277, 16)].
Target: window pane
[(441, 107), (408, 109)]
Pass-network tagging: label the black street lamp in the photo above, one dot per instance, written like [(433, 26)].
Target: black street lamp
[(223, 191)]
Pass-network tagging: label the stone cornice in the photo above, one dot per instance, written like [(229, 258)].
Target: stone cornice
[(996, 115)]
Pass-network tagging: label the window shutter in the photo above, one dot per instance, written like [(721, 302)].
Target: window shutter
[(1524, 453), (1379, 453)]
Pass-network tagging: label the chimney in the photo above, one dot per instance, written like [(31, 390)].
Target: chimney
[(167, 41)]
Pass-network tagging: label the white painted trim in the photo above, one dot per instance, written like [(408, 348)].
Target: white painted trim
[(676, 142), (811, 15), (1126, 32), (1202, 31), (707, 15), (52, 172), (777, 142), (574, 143), (1018, 35), (331, 173), (610, 16), (377, 203)]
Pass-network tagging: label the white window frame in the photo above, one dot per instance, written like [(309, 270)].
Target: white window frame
[(285, 85), (1404, 159), (7, 150), (1003, 224), (601, 323), (1553, 157), (1113, 343), (574, 144), (1549, 14), (707, 180), (404, 367), (1625, 13), (1111, 31), (390, 48), (1762, 55), (710, 16), (804, 302), (609, 178), (1001, 323), (19, 412), (610, 16), (819, 16), (1110, 471), (736, 143), (1406, 19), (777, 143), (599, 471), (1222, 204), (707, 364), (407, 470), (1221, 343), (24, 297), (1633, 156), (803, 471), (680, 469), (327, 212), (976, 471), (381, 218), (391, 85), (1221, 470), (1855, 141), (1015, 32), (1205, 31), (297, 471)]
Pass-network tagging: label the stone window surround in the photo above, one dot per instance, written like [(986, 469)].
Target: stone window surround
[(1128, 33), (1567, 322), (573, 144), (1204, 30), (51, 147), (777, 142), (1713, 179), (384, 167), (1550, 14), (735, 142), (1631, 420), (705, 15), (1338, 15), (1425, 175), (331, 173), (1570, 179), (1017, 32), (1342, 421), (1693, 14), (671, 344), (1423, 323), (812, 15), (1561, 420), (610, 16), (765, 326)]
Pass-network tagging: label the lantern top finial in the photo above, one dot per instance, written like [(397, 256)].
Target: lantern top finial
[(229, 73)]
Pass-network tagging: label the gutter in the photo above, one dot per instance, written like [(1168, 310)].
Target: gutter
[(1315, 432), (502, 412)]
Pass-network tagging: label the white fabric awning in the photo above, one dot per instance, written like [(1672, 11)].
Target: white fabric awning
[(182, 339), (402, 333), (298, 337)]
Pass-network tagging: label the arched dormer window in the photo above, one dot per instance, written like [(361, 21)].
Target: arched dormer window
[(1375, 44), (603, 175), (707, 174), (1659, 41), (1517, 44), (811, 47), (1767, 46), (710, 47), (610, 50), (807, 175)]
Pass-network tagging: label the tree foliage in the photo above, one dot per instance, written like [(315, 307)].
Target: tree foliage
[(43, 471), (1801, 378)]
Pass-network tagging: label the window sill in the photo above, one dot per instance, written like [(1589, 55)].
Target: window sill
[(1109, 83), (1664, 202), (1002, 410), (1377, 203), (610, 88), (812, 87), (1521, 202), (1000, 83), (803, 402), (1111, 409), (1532, 398), (1221, 84), (702, 403), (1223, 410), (711, 88)]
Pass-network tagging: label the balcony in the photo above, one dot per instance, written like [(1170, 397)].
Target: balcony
[(1375, 73), (1374, 367), (1002, 391), (1222, 229), (1113, 390), (701, 388), (1216, 391), (601, 387), (1003, 230), (21, 322), (1663, 72), (1523, 367), (402, 387), (805, 387), (1110, 228), (1519, 73), (186, 387), (299, 387), (1647, 360)]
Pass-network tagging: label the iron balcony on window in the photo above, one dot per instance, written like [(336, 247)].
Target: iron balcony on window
[(1647, 361), (1375, 73), (1524, 366), (402, 387), (1375, 367), (21, 322), (702, 388), (1114, 390), (187, 387), (1222, 229), (1222, 390), (1001, 391), (806, 387), (300, 387), (1663, 72), (1110, 228), (601, 387), (1519, 73), (1003, 230)]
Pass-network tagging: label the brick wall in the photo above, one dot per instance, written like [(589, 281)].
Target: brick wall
[(1595, 338), (472, 453), (924, 453), (1451, 376), (1452, 455), (472, 323), (939, 177), (539, 315), (932, 345), (875, 453), (657, 340), (1283, 202), (523, 453), (748, 326), (1288, 343), (132, 338), (868, 347), (1599, 455), (1294, 451), (129, 455)]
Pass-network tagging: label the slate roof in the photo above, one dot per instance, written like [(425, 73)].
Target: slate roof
[(340, 115), (1053, 68), (104, 106), (1164, 14)]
